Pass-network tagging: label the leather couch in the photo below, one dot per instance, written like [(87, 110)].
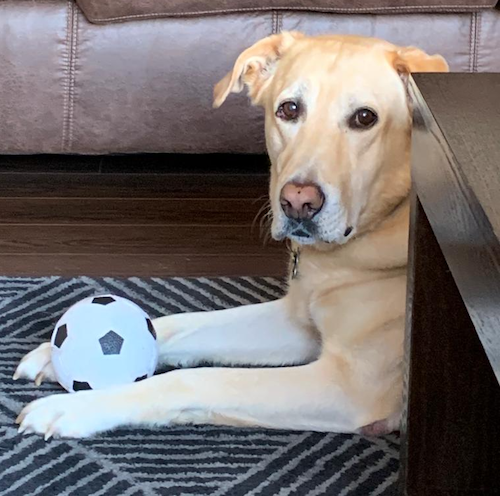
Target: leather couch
[(125, 76)]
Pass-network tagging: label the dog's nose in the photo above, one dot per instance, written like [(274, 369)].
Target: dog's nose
[(301, 201)]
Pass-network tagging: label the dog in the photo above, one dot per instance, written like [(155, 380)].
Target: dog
[(327, 356)]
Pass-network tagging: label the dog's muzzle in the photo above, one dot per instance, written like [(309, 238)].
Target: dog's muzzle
[(308, 214)]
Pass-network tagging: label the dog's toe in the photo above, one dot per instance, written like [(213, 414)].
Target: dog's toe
[(74, 415), (36, 365)]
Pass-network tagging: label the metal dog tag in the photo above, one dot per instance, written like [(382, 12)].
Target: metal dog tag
[(295, 263)]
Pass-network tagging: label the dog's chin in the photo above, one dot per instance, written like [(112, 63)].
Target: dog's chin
[(302, 233), (304, 240), (298, 236), (304, 237)]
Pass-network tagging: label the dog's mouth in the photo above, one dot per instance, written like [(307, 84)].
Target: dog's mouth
[(332, 224), (308, 232), (300, 231)]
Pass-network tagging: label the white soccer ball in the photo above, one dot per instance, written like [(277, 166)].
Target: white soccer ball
[(103, 341)]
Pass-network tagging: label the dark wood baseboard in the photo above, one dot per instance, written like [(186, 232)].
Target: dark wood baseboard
[(139, 215)]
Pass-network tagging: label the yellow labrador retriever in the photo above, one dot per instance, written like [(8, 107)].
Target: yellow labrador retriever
[(338, 124)]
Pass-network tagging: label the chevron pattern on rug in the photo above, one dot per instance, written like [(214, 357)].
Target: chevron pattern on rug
[(174, 461)]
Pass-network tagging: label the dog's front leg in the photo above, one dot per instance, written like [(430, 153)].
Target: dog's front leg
[(304, 397), (261, 334)]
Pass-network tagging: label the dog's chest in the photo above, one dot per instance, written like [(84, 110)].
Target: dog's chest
[(310, 279)]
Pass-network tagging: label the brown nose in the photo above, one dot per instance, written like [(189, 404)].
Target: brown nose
[(301, 201)]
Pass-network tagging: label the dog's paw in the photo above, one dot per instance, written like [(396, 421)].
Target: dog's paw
[(36, 365), (74, 415)]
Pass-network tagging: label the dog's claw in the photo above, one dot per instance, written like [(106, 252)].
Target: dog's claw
[(66, 415), (51, 431), (39, 378), (23, 429), (36, 365)]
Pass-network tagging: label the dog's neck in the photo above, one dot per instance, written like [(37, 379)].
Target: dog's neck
[(366, 249)]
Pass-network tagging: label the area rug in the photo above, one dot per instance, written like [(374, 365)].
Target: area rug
[(173, 461)]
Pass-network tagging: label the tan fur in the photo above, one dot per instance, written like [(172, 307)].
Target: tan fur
[(354, 294), (343, 315)]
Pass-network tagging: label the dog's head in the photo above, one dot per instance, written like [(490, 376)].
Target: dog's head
[(338, 125)]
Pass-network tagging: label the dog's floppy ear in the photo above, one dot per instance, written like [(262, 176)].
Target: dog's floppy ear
[(254, 67), (410, 59)]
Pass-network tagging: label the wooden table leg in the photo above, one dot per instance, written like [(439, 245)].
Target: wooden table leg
[(451, 427)]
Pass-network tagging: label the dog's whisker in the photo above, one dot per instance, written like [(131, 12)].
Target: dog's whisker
[(260, 198), (262, 215), (265, 206), (265, 226), (265, 230)]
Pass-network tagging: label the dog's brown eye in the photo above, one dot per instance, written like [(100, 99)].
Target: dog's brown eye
[(288, 111), (363, 118)]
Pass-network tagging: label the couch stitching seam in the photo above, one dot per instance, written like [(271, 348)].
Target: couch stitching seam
[(479, 20), (69, 83), (69, 15), (280, 22), (471, 41), (404, 8), (73, 78)]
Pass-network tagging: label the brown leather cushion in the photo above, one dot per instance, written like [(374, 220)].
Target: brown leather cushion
[(125, 10)]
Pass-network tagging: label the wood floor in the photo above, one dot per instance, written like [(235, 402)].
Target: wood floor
[(140, 215)]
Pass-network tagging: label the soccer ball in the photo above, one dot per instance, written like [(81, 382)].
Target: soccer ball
[(103, 341)]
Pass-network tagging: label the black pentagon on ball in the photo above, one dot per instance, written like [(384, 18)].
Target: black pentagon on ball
[(61, 335), (80, 386), (141, 378), (103, 300), (151, 328), (111, 343)]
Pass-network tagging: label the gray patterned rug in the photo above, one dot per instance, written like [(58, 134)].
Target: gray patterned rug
[(167, 461)]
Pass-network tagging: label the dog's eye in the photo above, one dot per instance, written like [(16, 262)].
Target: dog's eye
[(289, 111), (363, 118)]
